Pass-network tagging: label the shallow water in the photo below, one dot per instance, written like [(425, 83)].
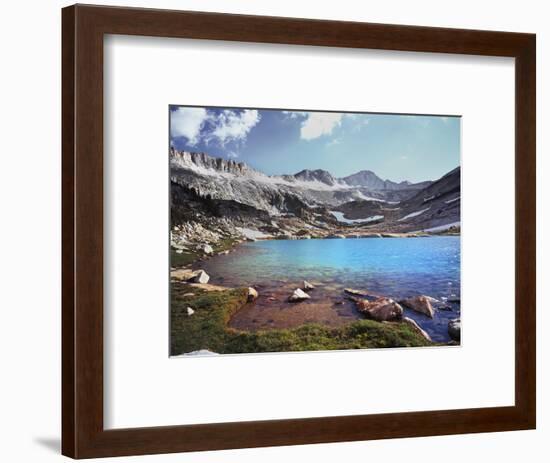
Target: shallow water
[(395, 267)]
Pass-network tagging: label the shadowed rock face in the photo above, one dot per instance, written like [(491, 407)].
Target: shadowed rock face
[(454, 329), (440, 203), (368, 179), (203, 186)]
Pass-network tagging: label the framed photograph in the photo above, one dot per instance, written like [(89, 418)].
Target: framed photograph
[(285, 231)]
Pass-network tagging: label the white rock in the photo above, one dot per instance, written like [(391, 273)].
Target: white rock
[(179, 251), (198, 353), (416, 326), (298, 295), (190, 311), (206, 248), (252, 294), (200, 276), (308, 286)]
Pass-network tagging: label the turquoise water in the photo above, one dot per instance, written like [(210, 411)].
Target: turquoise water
[(395, 267)]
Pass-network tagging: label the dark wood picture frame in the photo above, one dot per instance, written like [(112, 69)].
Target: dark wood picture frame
[(83, 433)]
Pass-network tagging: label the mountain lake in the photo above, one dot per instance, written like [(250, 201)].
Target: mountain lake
[(394, 267)]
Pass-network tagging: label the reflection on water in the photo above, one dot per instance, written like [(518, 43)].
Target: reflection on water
[(395, 267)]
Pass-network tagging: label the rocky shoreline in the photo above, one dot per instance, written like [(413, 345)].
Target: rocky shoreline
[(220, 236), (200, 243)]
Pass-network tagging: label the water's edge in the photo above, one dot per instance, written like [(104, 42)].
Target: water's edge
[(394, 267)]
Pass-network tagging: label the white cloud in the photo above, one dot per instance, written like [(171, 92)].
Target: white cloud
[(319, 124), (232, 125), (295, 114), (199, 124), (187, 122)]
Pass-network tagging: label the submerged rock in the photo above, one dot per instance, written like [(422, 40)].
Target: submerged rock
[(419, 304), (454, 329), (308, 286), (252, 294), (298, 295), (356, 292), (381, 309), (190, 311), (445, 308), (416, 326)]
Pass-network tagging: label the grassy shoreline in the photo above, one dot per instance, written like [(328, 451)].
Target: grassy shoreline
[(207, 328)]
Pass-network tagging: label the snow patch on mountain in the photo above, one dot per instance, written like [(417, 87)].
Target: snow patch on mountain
[(340, 217), (251, 234), (413, 214)]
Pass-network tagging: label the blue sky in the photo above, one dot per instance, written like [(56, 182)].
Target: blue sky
[(395, 147)]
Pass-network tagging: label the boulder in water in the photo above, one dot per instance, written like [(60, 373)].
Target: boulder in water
[(381, 309), (419, 304), (356, 292), (416, 326), (298, 295), (454, 329), (308, 286), (252, 294)]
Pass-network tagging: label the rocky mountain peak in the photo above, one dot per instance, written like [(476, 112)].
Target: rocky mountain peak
[(194, 160), (317, 175), (365, 178)]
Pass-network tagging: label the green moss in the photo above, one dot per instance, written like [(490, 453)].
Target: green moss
[(225, 244), (207, 328), (182, 259)]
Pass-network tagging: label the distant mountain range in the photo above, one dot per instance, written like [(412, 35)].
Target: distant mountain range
[(316, 195), (238, 181)]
